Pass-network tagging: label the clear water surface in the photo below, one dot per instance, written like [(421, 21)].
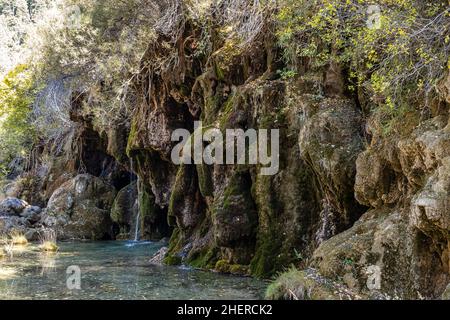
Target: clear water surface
[(116, 270)]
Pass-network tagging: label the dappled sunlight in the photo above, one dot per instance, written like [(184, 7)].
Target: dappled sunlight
[(7, 273)]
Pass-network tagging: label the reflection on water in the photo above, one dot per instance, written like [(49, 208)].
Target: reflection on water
[(114, 270)]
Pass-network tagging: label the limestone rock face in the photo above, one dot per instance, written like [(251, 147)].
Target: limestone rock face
[(158, 258), (80, 209), (401, 246), (330, 141), (232, 217)]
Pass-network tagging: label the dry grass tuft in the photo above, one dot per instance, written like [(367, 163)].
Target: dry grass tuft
[(48, 241), (18, 239)]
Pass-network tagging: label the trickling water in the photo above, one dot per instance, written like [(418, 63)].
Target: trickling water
[(136, 231), (132, 199), (138, 214), (114, 270)]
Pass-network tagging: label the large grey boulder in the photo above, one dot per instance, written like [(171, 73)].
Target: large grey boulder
[(12, 206), (80, 209)]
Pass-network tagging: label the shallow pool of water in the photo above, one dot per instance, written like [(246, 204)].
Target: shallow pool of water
[(113, 271)]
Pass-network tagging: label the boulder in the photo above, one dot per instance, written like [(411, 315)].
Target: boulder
[(12, 206), (8, 222), (32, 214), (80, 209), (32, 235), (307, 285), (158, 258), (369, 258)]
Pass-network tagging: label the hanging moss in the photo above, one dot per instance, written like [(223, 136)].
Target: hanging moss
[(146, 202), (269, 257), (205, 181), (177, 194), (219, 72), (211, 109), (175, 246), (131, 138), (153, 220), (227, 111)]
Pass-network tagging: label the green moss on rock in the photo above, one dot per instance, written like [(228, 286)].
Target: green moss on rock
[(175, 245), (205, 181), (172, 260), (131, 138), (204, 259), (177, 194), (299, 285)]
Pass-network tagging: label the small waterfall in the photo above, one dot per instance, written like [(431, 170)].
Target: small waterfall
[(137, 204), (136, 231), (138, 215)]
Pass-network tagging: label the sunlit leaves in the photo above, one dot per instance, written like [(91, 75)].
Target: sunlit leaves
[(401, 60), (16, 97)]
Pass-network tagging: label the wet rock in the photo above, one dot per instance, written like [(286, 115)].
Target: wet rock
[(184, 208), (235, 216), (158, 258), (124, 209)]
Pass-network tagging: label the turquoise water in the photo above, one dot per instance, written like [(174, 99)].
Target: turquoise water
[(114, 271)]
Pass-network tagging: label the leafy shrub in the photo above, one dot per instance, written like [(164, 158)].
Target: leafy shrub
[(398, 60), (16, 132)]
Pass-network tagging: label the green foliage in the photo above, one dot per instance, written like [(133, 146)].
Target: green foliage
[(17, 18), (287, 73), (399, 58), (16, 97)]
